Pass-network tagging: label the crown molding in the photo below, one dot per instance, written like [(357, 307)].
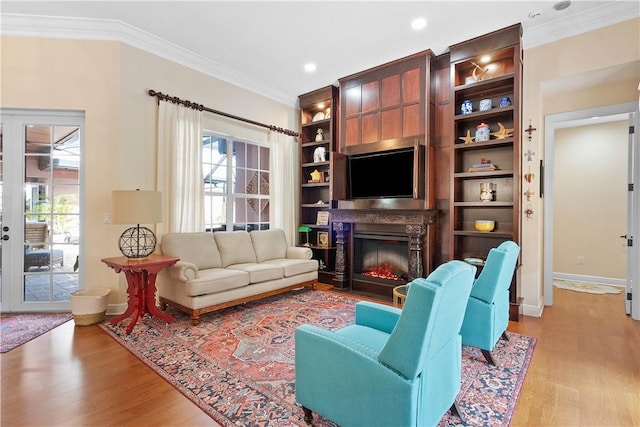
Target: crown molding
[(588, 20), (113, 30)]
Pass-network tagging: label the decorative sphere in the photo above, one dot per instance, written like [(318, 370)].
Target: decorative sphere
[(137, 242)]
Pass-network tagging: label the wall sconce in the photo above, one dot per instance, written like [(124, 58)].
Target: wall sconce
[(136, 207)]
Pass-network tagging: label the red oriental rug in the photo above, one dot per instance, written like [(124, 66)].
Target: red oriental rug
[(238, 364), (18, 328)]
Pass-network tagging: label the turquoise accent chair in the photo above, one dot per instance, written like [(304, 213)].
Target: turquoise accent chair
[(487, 315), (392, 367)]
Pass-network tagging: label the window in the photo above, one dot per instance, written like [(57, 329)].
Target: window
[(236, 183)]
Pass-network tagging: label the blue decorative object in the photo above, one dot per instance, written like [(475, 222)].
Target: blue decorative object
[(392, 367), (505, 101), (466, 107), (486, 104)]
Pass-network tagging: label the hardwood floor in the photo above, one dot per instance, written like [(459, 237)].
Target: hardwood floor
[(585, 371)]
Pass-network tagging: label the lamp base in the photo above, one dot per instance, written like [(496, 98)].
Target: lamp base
[(137, 242)]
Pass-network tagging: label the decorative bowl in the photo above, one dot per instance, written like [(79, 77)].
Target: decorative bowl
[(485, 225)]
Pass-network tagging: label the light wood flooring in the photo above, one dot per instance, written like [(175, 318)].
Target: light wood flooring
[(585, 371)]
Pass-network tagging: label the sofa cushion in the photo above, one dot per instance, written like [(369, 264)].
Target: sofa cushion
[(269, 244), (235, 247), (293, 267), (259, 272), (214, 280), (197, 248)]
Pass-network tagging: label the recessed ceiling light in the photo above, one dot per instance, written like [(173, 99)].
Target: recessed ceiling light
[(309, 67), (562, 5), (418, 23)]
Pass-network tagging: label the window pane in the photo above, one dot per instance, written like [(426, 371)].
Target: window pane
[(215, 210), (240, 153), (253, 182), (264, 183), (264, 158), (239, 183), (252, 156)]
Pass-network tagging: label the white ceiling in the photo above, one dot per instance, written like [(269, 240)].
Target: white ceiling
[(263, 45)]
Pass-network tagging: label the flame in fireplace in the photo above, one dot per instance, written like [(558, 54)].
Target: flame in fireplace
[(383, 271)]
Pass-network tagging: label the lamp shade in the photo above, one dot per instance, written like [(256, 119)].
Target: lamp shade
[(136, 207)]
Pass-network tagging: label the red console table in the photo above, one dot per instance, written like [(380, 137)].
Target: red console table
[(141, 286)]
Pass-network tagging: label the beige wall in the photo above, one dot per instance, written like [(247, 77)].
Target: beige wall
[(109, 82), (566, 63), (590, 200)]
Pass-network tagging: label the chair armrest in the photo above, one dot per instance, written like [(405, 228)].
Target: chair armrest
[(297, 252), (377, 316), (183, 271)]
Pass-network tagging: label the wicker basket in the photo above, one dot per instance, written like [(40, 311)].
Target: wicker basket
[(89, 306)]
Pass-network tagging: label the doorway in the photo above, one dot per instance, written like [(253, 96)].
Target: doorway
[(553, 125), (40, 188)]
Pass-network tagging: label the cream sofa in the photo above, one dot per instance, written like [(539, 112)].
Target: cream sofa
[(226, 268)]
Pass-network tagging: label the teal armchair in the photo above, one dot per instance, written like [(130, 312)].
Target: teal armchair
[(392, 367), (487, 315)]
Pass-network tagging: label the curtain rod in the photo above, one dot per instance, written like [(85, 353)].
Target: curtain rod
[(200, 107)]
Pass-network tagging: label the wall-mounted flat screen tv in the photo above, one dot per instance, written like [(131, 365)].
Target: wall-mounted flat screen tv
[(385, 174)]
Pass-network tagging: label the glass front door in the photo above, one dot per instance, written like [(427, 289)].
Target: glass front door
[(40, 208)]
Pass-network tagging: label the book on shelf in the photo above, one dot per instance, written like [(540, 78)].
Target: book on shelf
[(483, 167)]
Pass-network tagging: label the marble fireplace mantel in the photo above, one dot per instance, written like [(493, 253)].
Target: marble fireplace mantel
[(417, 224)]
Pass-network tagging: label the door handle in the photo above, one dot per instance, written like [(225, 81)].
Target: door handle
[(624, 236), (5, 237)]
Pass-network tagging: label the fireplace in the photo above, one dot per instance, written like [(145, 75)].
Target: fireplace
[(380, 258), (399, 240)]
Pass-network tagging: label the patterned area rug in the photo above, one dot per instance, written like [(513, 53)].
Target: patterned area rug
[(238, 364), (590, 288), (17, 329)]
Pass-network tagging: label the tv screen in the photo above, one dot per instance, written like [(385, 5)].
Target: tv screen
[(381, 175)]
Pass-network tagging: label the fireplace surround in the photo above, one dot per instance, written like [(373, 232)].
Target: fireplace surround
[(416, 226)]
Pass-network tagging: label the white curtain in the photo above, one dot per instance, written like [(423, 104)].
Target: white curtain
[(283, 194), (179, 174)]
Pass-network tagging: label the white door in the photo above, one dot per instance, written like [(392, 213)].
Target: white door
[(40, 158), (632, 216)]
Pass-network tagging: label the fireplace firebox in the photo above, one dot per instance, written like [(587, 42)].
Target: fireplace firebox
[(380, 258)]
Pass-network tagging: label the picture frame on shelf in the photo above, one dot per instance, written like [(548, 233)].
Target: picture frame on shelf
[(323, 239), (322, 218)]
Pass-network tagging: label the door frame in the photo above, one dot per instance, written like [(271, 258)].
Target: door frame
[(551, 124), (13, 171)]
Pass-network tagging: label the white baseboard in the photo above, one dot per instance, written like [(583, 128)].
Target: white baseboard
[(532, 310), (622, 283), (115, 309)]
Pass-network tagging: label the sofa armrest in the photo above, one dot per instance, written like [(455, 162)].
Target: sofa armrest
[(297, 252), (183, 271), (377, 316)]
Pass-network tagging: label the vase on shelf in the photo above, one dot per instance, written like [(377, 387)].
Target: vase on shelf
[(482, 132)]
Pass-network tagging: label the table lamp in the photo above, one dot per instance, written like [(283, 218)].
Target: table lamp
[(136, 207), (305, 229)]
